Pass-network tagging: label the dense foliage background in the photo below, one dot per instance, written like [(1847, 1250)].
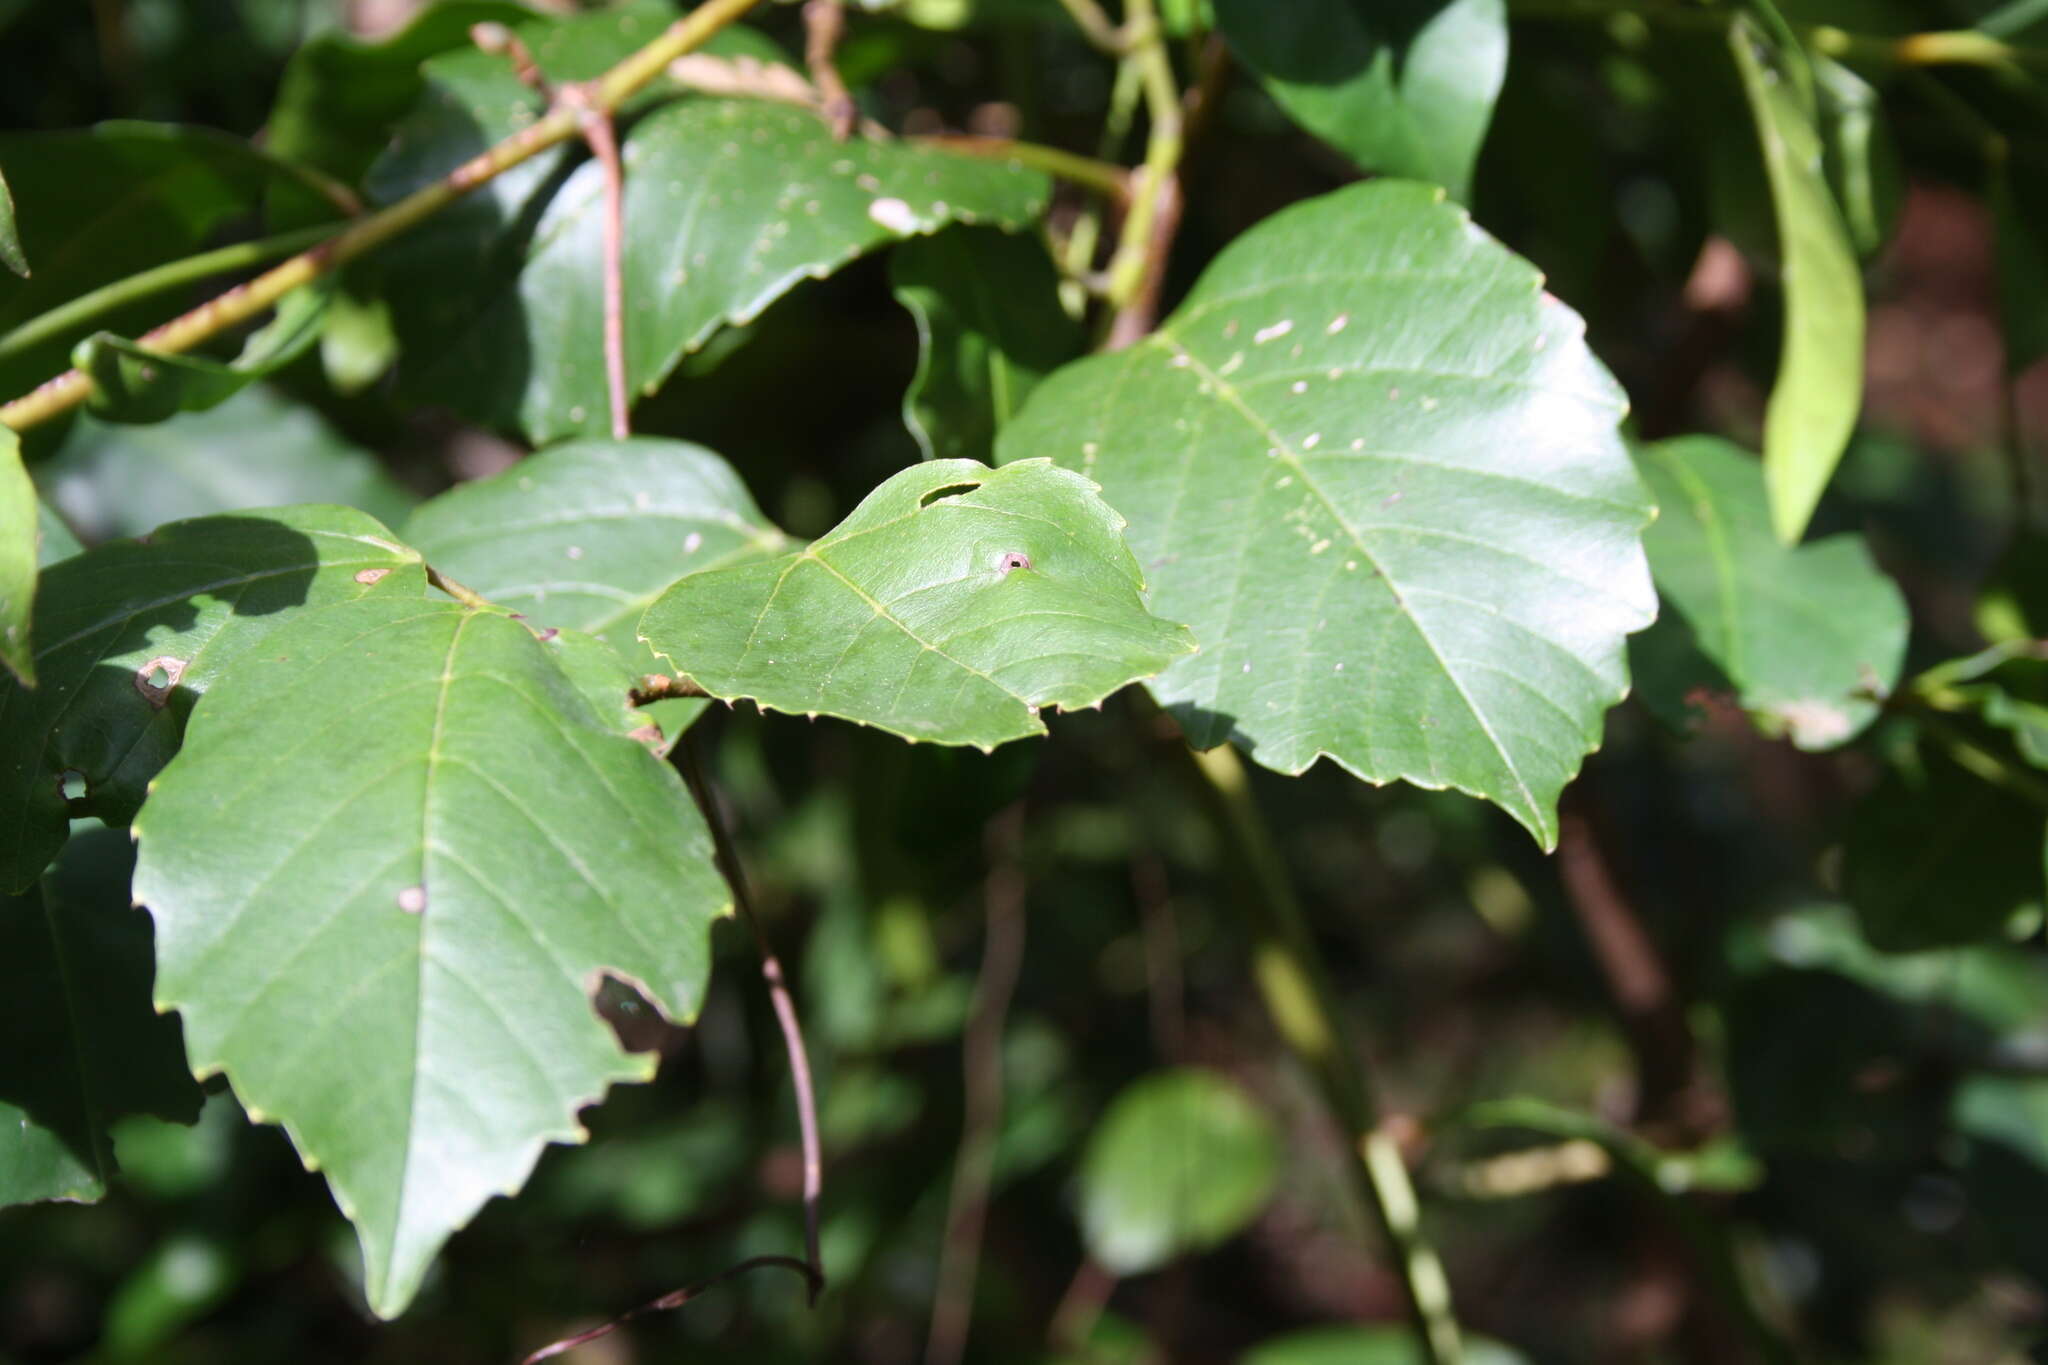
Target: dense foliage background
[(1752, 1066)]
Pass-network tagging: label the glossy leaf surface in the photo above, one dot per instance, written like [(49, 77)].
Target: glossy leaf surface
[(396, 962), (1404, 88), (952, 605), (1377, 472), (130, 635)]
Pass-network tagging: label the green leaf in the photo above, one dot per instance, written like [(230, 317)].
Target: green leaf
[(952, 605), (1403, 89), (130, 634), (102, 203), (10, 237), (340, 96), (1862, 165), (1181, 1161), (586, 535), (258, 449), (20, 514), (1937, 855), (729, 205), (54, 540), (989, 327), (137, 386), (396, 961), (1812, 636), (1819, 389), (1377, 472), (1367, 1346), (84, 1047)]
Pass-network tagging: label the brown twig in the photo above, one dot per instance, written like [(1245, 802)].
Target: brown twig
[(1136, 319), (1675, 1090), (785, 1014), (1073, 1321), (824, 25), (982, 1057), (604, 145), (676, 1298)]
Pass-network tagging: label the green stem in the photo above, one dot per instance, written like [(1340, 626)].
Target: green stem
[(1298, 996), (1960, 47), (1100, 176), (469, 597), (245, 301), (108, 297), (1095, 22), (1162, 151)]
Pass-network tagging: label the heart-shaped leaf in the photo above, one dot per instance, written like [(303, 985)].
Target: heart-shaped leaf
[(1377, 471), (396, 960), (953, 604), (130, 634), (585, 535), (1403, 89), (1812, 636)]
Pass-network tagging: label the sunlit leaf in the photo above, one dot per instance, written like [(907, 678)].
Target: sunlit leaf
[(1812, 636), (1402, 89), (1377, 472), (10, 238), (20, 515), (396, 961), (1819, 389), (129, 635), (586, 535), (952, 605)]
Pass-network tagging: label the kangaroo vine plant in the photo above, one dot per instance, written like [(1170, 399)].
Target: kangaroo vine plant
[(383, 818)]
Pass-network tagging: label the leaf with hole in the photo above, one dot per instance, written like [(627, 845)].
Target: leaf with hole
[(1181, 1161), (586, 535), (729, 204), (1403, 89), (84, 1047), (129, 635), (952, 605), (1811, 636), (989, 327), (258, 449), (397, 961), (1819, 388), (1377, 472)]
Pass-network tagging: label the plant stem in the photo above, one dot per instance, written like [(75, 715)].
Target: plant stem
[(1095, 23), (1297, 994), (77, 312), (785, 1014), (1141, 249), (1078, 262), (469, 597), (981, 1053), (1100, 176), (1959, 47), (245, 301)]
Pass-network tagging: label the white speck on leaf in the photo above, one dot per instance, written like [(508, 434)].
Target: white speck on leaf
[(1273, 333), (894, 215)]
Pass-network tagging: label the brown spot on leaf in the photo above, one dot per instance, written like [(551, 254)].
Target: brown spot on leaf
[(155, 679), (368, 576)]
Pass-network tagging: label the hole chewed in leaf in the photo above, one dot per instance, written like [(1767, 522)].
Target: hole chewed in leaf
[(155, 679), (71, 785), (951, 490), (1011, 560)]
